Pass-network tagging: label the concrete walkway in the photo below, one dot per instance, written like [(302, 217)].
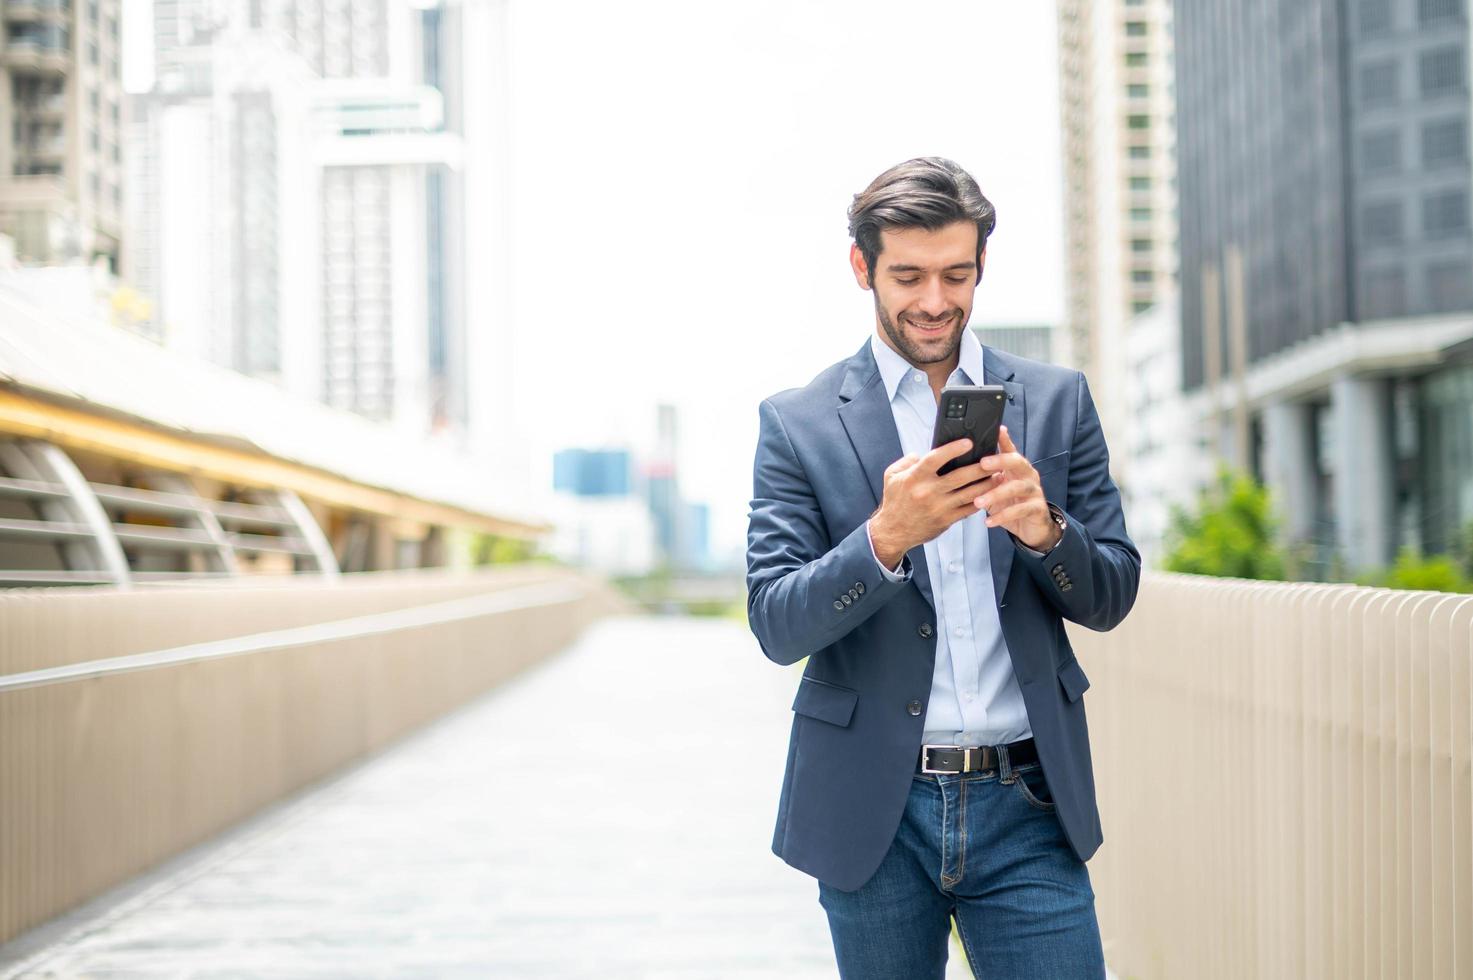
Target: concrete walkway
[(480, 848)]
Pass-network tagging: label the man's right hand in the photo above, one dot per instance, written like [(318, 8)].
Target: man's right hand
[(918, 504)]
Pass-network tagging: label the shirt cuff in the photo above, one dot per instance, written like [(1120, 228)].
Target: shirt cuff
[(901, 573), (1058, 516)]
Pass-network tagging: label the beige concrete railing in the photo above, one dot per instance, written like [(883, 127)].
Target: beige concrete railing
[(1284, 780), (136, 724)]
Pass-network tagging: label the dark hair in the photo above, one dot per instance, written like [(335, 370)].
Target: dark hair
[(927, 192)]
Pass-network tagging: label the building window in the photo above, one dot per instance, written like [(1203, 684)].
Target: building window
[(1445, 214), (1379, 83), (1137, 91), (1380, 152), (1138, 122), (1140, 214), (1449, 287), (1141, 306), (1374, 16), (1142, 276), (1381, 222), (1135, 28), (1435, 11), (1382, 293), (1140, 183), (1140, 245), (1442, 70), (1444, 142), (1140, 153), (1136, 59)]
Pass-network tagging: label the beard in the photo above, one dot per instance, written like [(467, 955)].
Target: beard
[(937, 349)]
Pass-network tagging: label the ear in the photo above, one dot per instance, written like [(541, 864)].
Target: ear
[(856, 263)]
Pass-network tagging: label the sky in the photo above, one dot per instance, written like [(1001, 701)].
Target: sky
[(680, 174)]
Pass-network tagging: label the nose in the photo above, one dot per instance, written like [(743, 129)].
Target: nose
[(933, 302)]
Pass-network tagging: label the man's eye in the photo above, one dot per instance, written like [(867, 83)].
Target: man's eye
[(907, 282), (956, 280)]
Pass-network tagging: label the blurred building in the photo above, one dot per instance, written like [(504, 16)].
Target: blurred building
[(593, 472), (357, 155), (601, 523), (1118, 139), (1327, 261), (1032, 340), (61, 169), (1162, 449)]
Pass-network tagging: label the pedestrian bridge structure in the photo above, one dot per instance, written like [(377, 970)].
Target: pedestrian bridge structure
[(448, 774)]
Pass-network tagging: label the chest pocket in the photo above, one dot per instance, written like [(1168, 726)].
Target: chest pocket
[(1053, 474)]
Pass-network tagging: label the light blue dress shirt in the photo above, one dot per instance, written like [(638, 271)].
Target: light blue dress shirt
[(975, 698)]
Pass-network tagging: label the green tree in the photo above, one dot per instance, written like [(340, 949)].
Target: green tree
[(1435, 573), (1231, 533)]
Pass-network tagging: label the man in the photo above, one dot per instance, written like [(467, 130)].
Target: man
[(939, 761)]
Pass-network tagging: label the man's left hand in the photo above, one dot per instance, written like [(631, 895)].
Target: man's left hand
[(1014, 498)]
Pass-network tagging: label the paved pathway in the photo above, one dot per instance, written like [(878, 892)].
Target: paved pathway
[(468, 851)]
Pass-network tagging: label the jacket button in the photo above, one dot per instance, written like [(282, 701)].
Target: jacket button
[(925, 631), (913, 708), (845, 599), (854, 593), (859, 587), (838, 605)]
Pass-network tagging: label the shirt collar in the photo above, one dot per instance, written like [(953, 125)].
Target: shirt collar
[(894, 368)]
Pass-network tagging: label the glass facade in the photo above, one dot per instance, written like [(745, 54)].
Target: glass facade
[(1447, 455)]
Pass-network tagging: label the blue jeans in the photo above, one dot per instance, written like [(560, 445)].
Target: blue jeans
[(986, 848)]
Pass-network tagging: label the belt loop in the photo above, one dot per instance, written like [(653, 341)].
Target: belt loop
[(1004, 766)]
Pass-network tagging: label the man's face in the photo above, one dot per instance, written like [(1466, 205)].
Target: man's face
[(923, 283)]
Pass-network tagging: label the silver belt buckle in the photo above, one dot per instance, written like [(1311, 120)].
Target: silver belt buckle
[(966, 758)]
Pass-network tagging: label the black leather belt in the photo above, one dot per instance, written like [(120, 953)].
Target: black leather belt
[(974, 758)]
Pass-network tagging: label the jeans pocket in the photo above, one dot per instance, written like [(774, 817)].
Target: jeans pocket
[(1034, 788)]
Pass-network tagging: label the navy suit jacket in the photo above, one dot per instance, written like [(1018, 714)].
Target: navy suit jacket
[(815, 591)]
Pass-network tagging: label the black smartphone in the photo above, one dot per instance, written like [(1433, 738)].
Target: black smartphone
[(969, 412)]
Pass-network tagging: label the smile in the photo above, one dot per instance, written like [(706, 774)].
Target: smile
[(930, 329)]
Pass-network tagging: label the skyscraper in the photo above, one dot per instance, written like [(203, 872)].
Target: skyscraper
[(327, 244), (1118, 127), (61, 169), (1327, 261)]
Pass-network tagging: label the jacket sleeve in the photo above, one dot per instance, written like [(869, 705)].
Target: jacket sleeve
[(1092, 574), (803, 592)]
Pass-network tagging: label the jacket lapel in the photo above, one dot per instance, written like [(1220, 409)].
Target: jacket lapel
[(865, 413), (1015, 417)]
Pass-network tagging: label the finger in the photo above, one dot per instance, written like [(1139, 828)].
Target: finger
[(1015, 516), (969, 481), (1013, 464), (1005, 441), (1001, 497), (937, 457)]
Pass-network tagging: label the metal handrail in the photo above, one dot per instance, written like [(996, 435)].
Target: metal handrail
[(433, 614)]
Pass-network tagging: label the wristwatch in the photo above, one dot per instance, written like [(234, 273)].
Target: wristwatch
[(1063, 525)]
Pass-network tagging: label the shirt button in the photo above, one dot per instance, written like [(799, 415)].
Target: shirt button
[(959, 631), (953, 567), (914, 709), (925, 631), (919, 377)]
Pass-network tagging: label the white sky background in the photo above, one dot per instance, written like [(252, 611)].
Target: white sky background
[(681, 174), (680, 177)]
